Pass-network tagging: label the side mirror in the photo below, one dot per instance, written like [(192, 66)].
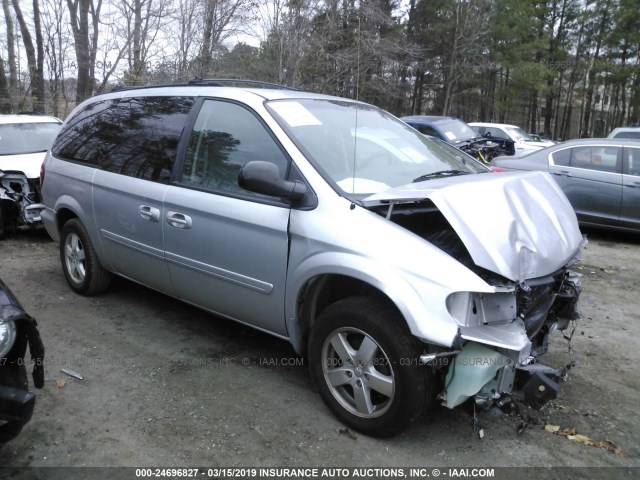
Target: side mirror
[(264, 177)]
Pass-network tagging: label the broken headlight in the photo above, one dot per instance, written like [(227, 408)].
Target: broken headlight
[(472, 308), (7, 336)]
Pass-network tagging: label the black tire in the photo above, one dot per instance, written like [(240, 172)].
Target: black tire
[(80, 263), (397, 388)]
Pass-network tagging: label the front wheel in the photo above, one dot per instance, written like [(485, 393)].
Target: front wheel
[(80, 263), (365, 363)]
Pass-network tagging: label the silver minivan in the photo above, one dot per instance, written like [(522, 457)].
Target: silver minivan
[(403, 270)]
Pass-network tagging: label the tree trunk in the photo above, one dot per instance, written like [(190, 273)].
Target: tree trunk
[(79, 15), (5, 104), (11, 50)]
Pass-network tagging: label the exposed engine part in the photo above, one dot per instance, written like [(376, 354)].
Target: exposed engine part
[(19, 201)]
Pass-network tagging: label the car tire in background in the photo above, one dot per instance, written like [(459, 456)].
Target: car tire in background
[(80, 263), (365, 363)]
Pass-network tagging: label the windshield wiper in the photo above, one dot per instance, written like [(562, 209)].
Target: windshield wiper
[(440, 174)]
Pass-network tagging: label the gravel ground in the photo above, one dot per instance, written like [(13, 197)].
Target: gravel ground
[(166, 384)]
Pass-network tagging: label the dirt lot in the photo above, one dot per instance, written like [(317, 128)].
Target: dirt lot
[(168, 385)]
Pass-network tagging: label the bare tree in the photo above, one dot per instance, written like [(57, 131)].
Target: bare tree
[(5, 105), (144, 21), (85, 14), (222, 19), (57, 43), (11, 49)]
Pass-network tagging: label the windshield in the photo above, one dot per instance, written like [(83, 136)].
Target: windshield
[(364, 150), (21, 138), (520, 135), (456, 130)]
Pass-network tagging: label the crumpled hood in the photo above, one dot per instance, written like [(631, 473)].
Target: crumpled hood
[(519, 225), (27, 163)]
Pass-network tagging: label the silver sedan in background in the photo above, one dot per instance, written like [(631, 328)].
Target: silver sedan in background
[(600, 177)]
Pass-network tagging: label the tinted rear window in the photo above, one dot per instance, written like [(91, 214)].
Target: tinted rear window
[(136, 136)]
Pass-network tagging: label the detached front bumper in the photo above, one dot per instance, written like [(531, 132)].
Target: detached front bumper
[(16, 409), (503, 336)]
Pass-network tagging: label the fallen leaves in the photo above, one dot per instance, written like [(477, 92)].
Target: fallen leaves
[(60, 383), (573, 435)]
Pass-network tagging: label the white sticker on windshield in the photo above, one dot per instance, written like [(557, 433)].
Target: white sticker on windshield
[(450, 135), (413, 154), (295, 114)]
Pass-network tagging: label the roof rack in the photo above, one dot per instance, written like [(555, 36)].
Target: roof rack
[(223, 82), (211, 82)]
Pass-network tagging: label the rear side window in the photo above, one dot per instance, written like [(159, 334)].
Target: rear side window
[(137, 137), (603, 159), (632, 165)]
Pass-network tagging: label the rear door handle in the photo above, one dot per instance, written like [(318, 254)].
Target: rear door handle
[(179, 220), (633, 184), (149, 213)]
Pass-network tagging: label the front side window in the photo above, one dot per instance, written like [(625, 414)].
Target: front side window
[(136, 136), (497, 133), (364, 150), (224, 138), (23, 138)]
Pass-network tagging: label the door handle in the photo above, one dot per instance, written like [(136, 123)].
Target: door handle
[(179, 220), (563, 173), (149, 213), (633, 184)]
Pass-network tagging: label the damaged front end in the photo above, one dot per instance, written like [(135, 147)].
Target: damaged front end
[(503, 337), (19, 201), (518, 234)]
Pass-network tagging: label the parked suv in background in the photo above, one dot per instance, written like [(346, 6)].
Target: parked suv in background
[(328, 223), (24, 140)]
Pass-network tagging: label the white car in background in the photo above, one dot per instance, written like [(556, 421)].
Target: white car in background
[(523, 142), (625, 132), (24, 141)]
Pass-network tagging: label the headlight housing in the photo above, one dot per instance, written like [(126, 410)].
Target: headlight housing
[(471, 309), (7, 336)]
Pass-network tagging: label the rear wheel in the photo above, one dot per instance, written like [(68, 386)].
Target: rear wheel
[(80, 263), (365, 363)]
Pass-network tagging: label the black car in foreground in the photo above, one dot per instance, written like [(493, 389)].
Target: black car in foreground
[(17, 331), (599, 176), (457, 133)]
